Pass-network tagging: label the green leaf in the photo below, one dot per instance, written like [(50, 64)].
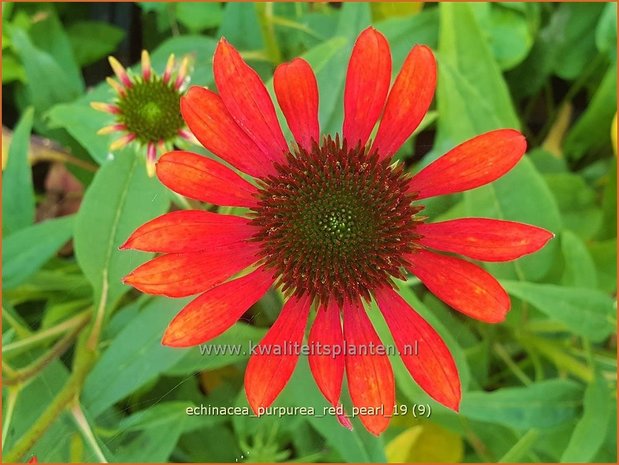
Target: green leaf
[(134, 358), (48, 82), (606, 32), (12, 70), (48, 35), (238, 25), (82, 122), (153, 444), (26, 251), (510, 35), (579, 266), (586, 312), (17, 192), (544, 404), (93, 40), (207, 357), (577, 203), (472, 96), (604, 254), (32, 401), (520, 449), (590, 430), (198, 16), (575, 46), (404, 33), (120, 198), (156, 415), (521, 195), (608, 229), (591, 133)]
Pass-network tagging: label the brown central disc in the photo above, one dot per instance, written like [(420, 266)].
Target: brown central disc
[(335, 222)]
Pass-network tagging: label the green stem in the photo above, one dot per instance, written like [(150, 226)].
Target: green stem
[(477, 444), (45, 335), (559, 357), (84, 426), (84, 360), (20, 329), (10, 408), (97, 326), (515, 369), (521, 447), (23, 374), (572, 91), (265, 17)]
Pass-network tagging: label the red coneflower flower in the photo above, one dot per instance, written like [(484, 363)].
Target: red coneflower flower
[(147, 107), (331, 221)]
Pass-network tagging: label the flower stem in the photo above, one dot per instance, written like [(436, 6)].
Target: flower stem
[(265, 17), (515, 369), (13, 393), (84, 360), (20, 329), (518, 451), (571, 93), (43, 336), (84, 426), (23, 374)]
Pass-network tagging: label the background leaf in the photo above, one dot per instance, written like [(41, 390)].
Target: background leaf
[(543, 405), (120, 198), (93, 40), (25, 251), (591, 428), (17, 192), (583, 311)]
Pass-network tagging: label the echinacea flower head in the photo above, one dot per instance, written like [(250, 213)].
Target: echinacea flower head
[(332, 222), (146, 108)]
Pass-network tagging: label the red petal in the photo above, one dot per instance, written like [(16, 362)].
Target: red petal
[(461, 285), (248, 101), (210, 122), (297, 93), (327, 368), (408, 101), (203, 179), (189, 231), (367, 85), (369, 374), (271, 365), (433, 367), (216, 310), (484, 239), (181, 275), (471, 164)]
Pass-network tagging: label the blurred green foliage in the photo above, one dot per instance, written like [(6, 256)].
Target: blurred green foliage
[(540, 387)]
